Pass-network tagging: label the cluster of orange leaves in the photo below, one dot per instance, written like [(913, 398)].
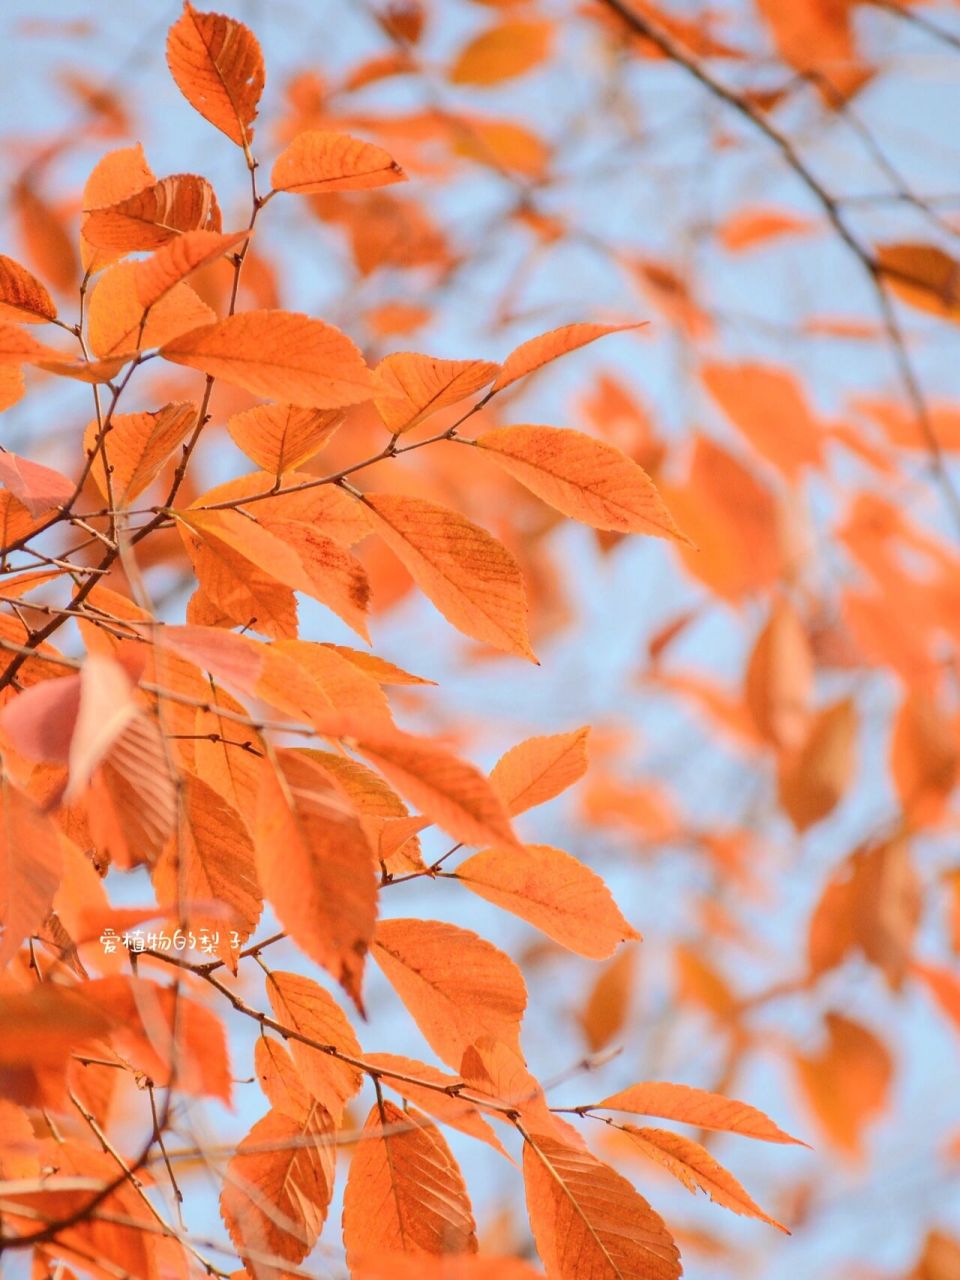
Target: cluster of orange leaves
[(167, 746)]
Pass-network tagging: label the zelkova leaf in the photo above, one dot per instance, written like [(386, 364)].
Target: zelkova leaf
[(555, 892), (420, 385), (468, 575), (22, 297), (452, 792), (211, 861), (454, 1005), (301, 1004), (317, 161), (316, 867), (152, 216), (586, 479), (537, 769), (119, 322), (502, 53), (277, 1188), (31, 864), (588, 1222), (446, 1107), (218, 67), (769, 407), (280, 1080), (694, 1166), (279, 437), (924, 276), (697, 1107), (546, 347), (115, 177), (404, 1191), (280, 355), (39, 488), (179, 258), (139, 445)]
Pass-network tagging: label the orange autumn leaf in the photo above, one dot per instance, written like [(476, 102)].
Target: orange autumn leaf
[(769, 406), (553, 891), (22, 296), (752, 227), (502, 53), (317, 161), (607, 1006), (316, 866), (119, 322), (814, 779), (697, 1107), (218, 67), (585, 479), (588, 1222), (537, 352), (277, 1188), (211, 861), (154, 215), (694, 1166), (924, 758), (139, 445), (482, 995), (451, 792), (279, 437), (39, 488), (539, 769), (466, 1266), (419, 385), (404, 1191), (301, 1004), (173, 262), (466, 573), (923, 276), (444, 1106), (278, 354), (280, 1080), (114, 178), (846, 1082), (778, 682), (32, 864)]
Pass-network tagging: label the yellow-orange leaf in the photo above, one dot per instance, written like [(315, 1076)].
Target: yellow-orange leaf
[(179, 258), (31, 863), (472, 578), (299, 1003), (280, 355), (119, 321), (382, 671), (536, 770), (279, 437), (115, 177), (768, 405), (589, 1222), (404, 1192), (277, 1187), (502, 53), (924, 758), (607, 1006), (22, 296), (138, 446), (152, 216), (847, 1082), (468, 1266), (453, 1004), (318, 161), (420, 385), (546, 347), (316, 867), (587, 479), (697, 1107), (555, 892), (694, 1166), (218, 67), (341, 684)]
